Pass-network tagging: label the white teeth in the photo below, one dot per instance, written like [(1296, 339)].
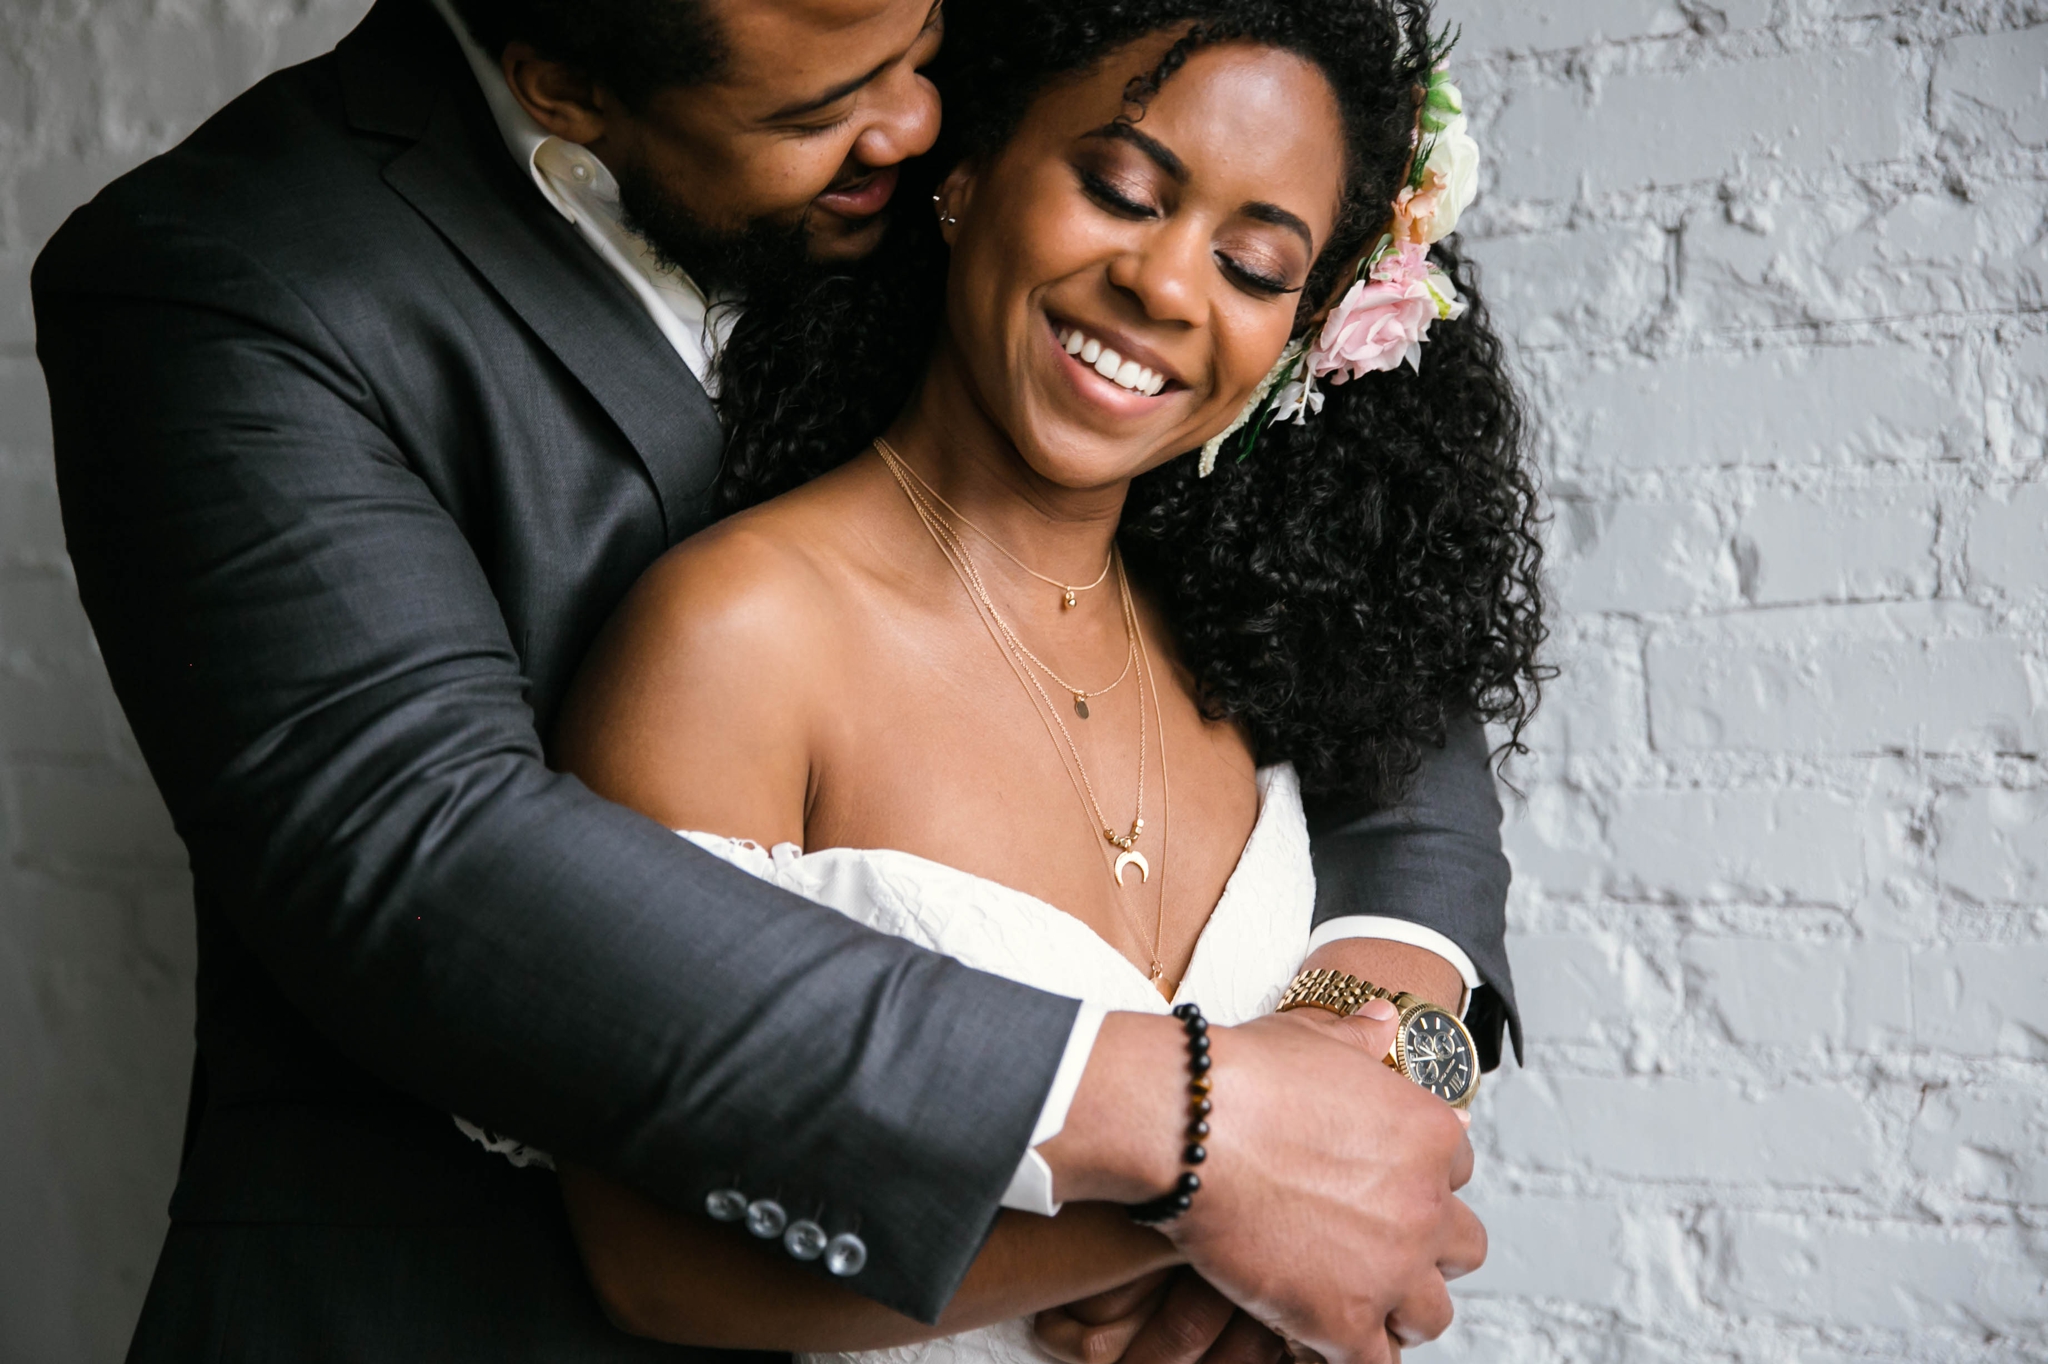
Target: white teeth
[(1111, 366)]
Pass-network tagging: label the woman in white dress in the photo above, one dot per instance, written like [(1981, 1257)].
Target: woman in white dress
[(1018, 681)]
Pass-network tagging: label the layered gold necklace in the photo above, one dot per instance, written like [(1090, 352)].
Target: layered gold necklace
[(926, 502), (1069, 592), (923, 496)]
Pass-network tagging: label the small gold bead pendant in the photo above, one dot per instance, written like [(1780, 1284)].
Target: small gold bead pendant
[(1067, 600)]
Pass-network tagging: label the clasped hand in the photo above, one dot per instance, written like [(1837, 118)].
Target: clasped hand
[(1327, 1224)]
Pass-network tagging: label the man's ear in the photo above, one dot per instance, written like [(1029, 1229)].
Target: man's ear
[(561, 98)]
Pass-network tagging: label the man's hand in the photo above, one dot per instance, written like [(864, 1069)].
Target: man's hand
[(1169, 1318), (1326, 1209), (1327, 1206)]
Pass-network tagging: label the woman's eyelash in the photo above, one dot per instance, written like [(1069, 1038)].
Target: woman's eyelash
[(1263, 284), (1103, 192), (1106, 193)]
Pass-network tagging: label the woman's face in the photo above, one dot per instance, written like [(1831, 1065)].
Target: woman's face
[(1179, 242)]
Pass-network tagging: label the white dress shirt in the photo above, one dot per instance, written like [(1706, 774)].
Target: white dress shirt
[(582, 190)]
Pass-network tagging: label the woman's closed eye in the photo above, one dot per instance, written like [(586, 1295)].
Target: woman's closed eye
[(1128, 202), (1122, 200), (1254, 279)]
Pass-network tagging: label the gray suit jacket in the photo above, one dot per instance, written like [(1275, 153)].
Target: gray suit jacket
[(358, 445)]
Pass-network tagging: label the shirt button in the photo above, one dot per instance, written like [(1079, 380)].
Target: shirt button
[(726, 1205), (579, 170), (805, 1239), (766, 1219), (846, 1255)]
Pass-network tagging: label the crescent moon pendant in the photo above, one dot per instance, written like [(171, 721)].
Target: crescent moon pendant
[(1133, 859)]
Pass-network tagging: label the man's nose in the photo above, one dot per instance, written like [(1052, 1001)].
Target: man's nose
[(905, 122)]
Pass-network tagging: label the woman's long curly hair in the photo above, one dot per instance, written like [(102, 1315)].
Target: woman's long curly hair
[(1355, 586)]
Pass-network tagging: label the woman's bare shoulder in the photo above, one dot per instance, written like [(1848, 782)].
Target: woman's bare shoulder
[(754, 582), (696, 705), (774, 577)]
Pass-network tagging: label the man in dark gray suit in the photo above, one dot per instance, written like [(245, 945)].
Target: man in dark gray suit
[(363, 427)]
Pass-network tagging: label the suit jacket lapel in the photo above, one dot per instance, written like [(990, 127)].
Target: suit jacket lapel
[(459, 176)]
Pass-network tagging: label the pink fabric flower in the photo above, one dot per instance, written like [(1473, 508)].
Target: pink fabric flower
[(1381, 321)]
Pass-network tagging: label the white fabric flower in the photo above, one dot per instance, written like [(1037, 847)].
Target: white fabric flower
[(1453, 171), (1450, 306), (1296, 401)]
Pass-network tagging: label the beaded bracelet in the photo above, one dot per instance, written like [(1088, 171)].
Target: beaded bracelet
[(1166, 1207)]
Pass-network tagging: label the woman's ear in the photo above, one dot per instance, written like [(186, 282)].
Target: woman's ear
[(561, 99), (953, 198)]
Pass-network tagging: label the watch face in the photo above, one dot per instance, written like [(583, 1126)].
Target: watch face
[(1437, 1055)]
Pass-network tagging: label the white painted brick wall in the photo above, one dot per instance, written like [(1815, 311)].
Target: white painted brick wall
[(1777, 275)]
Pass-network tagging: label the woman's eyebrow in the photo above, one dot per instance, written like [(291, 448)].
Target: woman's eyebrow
[(1261, 211), (1161, 154)]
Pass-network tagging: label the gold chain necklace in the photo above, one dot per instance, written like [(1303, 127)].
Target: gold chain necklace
[(1067, 590), (921, 496), (962, 562)]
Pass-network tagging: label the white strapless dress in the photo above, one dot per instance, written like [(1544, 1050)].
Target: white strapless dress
[(1253, 944), (1251, 947)]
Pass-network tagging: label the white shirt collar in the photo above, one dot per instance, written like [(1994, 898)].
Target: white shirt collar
[(583, 190), (523, 137)]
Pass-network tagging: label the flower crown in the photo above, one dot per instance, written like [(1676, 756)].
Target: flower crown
[(1394, 291)]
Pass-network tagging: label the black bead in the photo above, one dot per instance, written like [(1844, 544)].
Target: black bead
[(1165, 1209)]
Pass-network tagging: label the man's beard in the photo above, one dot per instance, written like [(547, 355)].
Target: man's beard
[(762, 258), (823, 353)]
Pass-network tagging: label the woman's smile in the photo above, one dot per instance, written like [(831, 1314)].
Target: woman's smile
[(1141, 272), (1109, 369)]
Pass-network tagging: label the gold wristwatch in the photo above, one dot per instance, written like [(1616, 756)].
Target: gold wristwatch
[(1431, 1047)]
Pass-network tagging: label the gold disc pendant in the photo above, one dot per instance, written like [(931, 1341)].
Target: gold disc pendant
[(1131, 858), (1080, 705)]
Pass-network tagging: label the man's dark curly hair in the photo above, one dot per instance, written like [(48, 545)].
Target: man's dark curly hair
[(1353, 587), (631, 47)]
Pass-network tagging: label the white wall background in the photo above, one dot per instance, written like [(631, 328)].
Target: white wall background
[(1777, 272)]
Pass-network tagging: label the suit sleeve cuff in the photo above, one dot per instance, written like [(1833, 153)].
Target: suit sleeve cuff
[(1031, 1187), (1401, 931)]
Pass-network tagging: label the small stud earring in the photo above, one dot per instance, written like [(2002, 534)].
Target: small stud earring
[(938, 202)]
